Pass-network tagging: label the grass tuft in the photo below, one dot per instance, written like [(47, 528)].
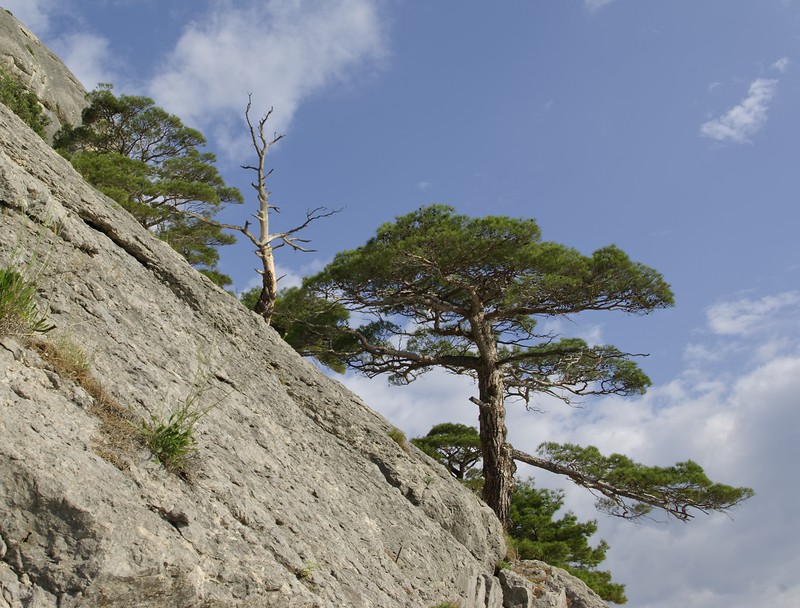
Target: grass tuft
[(399, 437), (306, 572), (171, 439), (19, 312)]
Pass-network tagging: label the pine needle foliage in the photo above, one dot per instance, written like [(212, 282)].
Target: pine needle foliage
[(149, 162), (632, 490), (468, 294)]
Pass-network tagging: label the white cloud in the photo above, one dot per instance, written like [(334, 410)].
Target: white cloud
[(281, 52), (436, 397), (36, 14), (744, 120), (744, 316), (594, 5), (743, 434), (781, 65), (88, 57)]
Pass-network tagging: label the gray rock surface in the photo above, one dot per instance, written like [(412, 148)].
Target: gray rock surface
[(534, 584), (297, 495), (41, 72)]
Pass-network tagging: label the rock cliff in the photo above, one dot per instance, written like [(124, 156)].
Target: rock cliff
[(23, 55), (297, 495)]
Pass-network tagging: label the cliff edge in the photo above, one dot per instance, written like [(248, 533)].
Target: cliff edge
[(41, 72)]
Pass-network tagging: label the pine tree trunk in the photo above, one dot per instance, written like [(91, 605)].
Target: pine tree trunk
[(498, 465)]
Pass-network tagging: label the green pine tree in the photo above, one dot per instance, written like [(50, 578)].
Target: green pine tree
[(534, 531), (468, 295), (310, 325), (150, 163)]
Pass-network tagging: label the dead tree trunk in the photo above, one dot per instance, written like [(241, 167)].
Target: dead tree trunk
[(264, 240), (269, 280)]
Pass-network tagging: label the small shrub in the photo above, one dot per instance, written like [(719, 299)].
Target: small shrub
[(172, 439), (306, 571), (399, 437), (23, 103), (447, 605), (19, 313)]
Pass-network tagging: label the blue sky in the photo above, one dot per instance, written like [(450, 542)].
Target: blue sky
[(668, 128)]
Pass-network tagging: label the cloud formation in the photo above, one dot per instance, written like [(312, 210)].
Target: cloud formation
[(281, 52), (36, 14), (88, 57), (781, 65), (744, 317), (744, 120), (594, 5)]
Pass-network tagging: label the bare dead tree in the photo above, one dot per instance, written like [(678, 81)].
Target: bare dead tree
[(266, 242)]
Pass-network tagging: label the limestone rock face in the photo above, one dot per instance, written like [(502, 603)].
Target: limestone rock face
[(41, 72), (534, 584)]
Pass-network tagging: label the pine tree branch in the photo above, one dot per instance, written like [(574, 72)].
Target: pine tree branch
[(674, 490)]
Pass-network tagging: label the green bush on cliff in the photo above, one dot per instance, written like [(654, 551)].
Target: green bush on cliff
[(538, 527), (22, 102), (171, 439)]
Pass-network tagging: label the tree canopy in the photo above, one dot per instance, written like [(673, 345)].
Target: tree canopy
[(631, 490), (310, 325), (456, 446), (536, 533), (150, 163), (468, 295)]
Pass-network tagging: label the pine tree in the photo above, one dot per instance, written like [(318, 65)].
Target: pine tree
[(467, 295), (151, 164)]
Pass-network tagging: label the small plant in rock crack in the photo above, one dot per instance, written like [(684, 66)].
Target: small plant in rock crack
[(19, 313), (306, 571), (67, 357), (172, 439), (399, 437)]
